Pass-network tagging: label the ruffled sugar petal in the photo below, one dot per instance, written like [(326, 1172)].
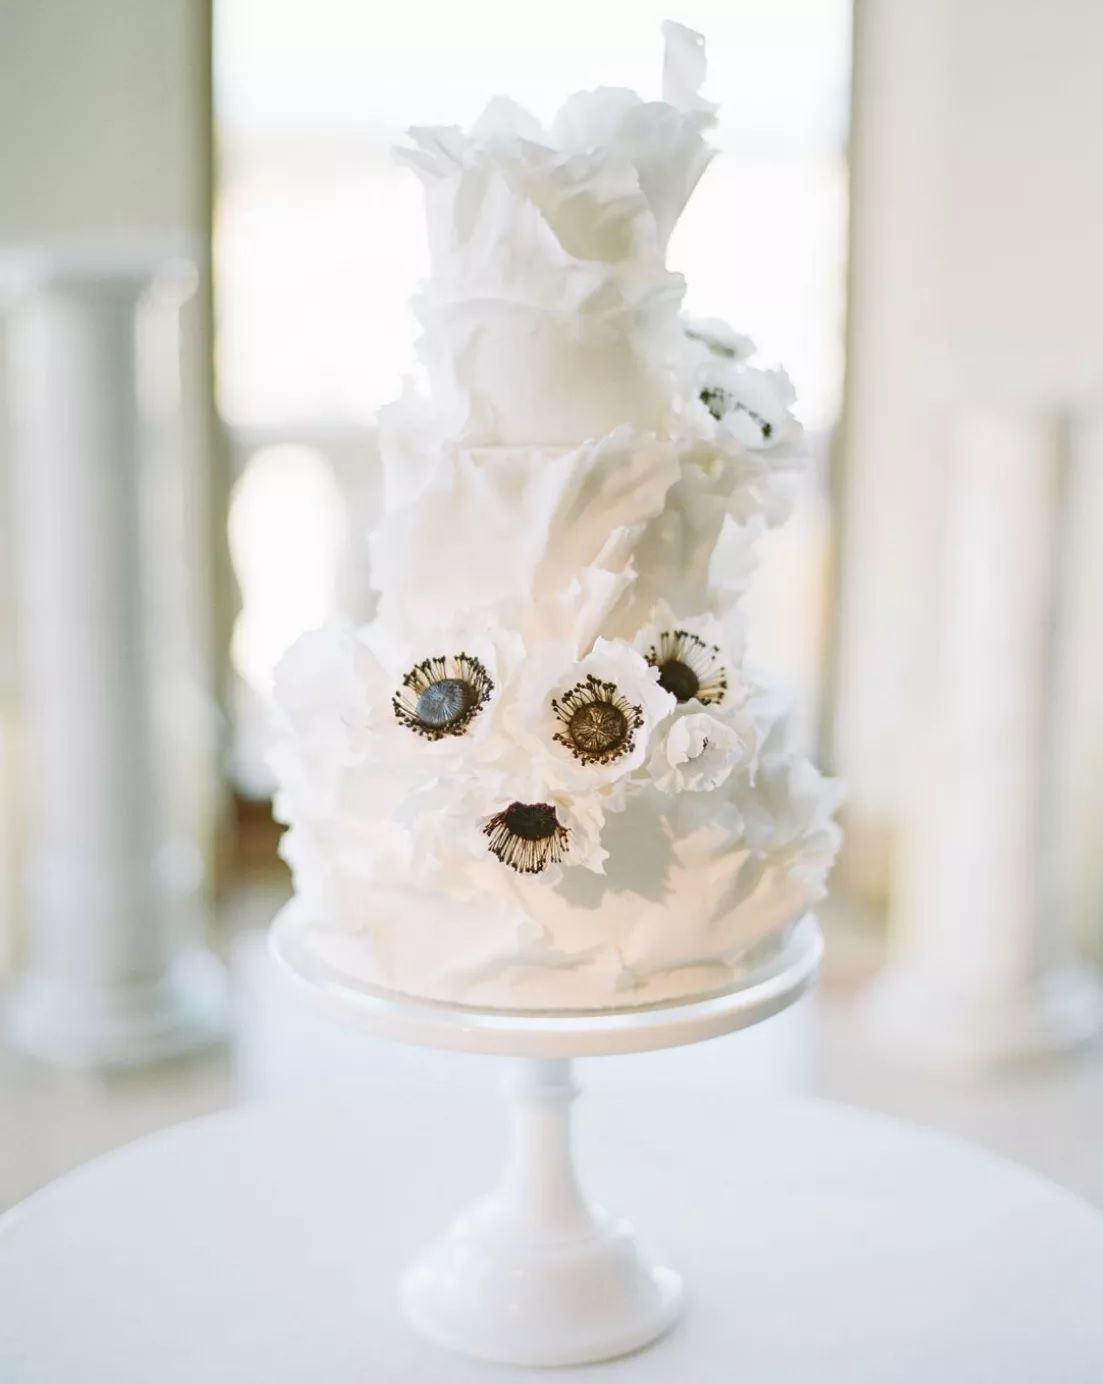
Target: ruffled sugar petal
[(733, 560), (593, 205), (547, 250), (518, 372), (584, 815), (670, 158), (572, 619), (504, 120), (711, 337), (660, 144), (788, 807), (411, 437), (506, 525), (661, 141), (685, 67), (322, 676), (439, 150), (697, 542)]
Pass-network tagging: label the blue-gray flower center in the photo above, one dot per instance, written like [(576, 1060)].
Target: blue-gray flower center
[(444, 702)]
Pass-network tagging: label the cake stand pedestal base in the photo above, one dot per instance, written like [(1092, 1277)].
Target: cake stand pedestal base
[(534, 1275)]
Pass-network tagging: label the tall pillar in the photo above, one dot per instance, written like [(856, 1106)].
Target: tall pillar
[(984, 964), (115, 970)]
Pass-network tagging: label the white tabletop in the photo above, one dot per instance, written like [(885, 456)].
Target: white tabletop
[(819, 1246)]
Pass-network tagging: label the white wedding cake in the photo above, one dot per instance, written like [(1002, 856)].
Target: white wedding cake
[(543, 777)]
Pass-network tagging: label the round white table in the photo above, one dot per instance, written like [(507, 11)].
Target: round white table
[(819, 1246)]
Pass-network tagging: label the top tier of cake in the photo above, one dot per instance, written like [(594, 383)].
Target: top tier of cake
[(549, 314)]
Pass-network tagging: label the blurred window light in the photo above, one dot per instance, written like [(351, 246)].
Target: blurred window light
[(287, 531), (287, 535)]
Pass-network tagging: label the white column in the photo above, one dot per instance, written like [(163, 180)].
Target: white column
[(116, 973), (983, 965)]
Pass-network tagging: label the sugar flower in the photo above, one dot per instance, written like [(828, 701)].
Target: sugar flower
[(697, 752)]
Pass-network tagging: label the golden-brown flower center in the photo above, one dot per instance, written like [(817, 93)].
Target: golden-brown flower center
[(598, 727)]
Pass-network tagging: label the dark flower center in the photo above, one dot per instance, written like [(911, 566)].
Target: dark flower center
[(598, 727), (527, 837), (530, 821), (688, 667), (679, 680), (444, 702)]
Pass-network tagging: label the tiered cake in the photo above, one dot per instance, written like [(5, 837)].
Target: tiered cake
[(543, 777)]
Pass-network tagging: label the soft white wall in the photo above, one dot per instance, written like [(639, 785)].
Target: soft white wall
[(98, 108), (1020, 199), (977, 217)]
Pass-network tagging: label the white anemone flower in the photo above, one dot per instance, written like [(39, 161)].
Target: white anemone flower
[(727, 395), (697, 660), (589, 724), (445, 690), (535, 833), (751, 405), (740, 414), (698, 752)]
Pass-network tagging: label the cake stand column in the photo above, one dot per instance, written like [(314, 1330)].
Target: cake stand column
[(541, 1192), (116, 974), (533, 1274)]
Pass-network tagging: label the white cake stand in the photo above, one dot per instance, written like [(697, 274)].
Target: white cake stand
[(534, 1274)]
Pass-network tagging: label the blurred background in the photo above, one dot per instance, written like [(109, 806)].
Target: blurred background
[(206, 256)]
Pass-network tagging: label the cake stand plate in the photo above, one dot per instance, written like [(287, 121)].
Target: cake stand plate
[(534, 1274)]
